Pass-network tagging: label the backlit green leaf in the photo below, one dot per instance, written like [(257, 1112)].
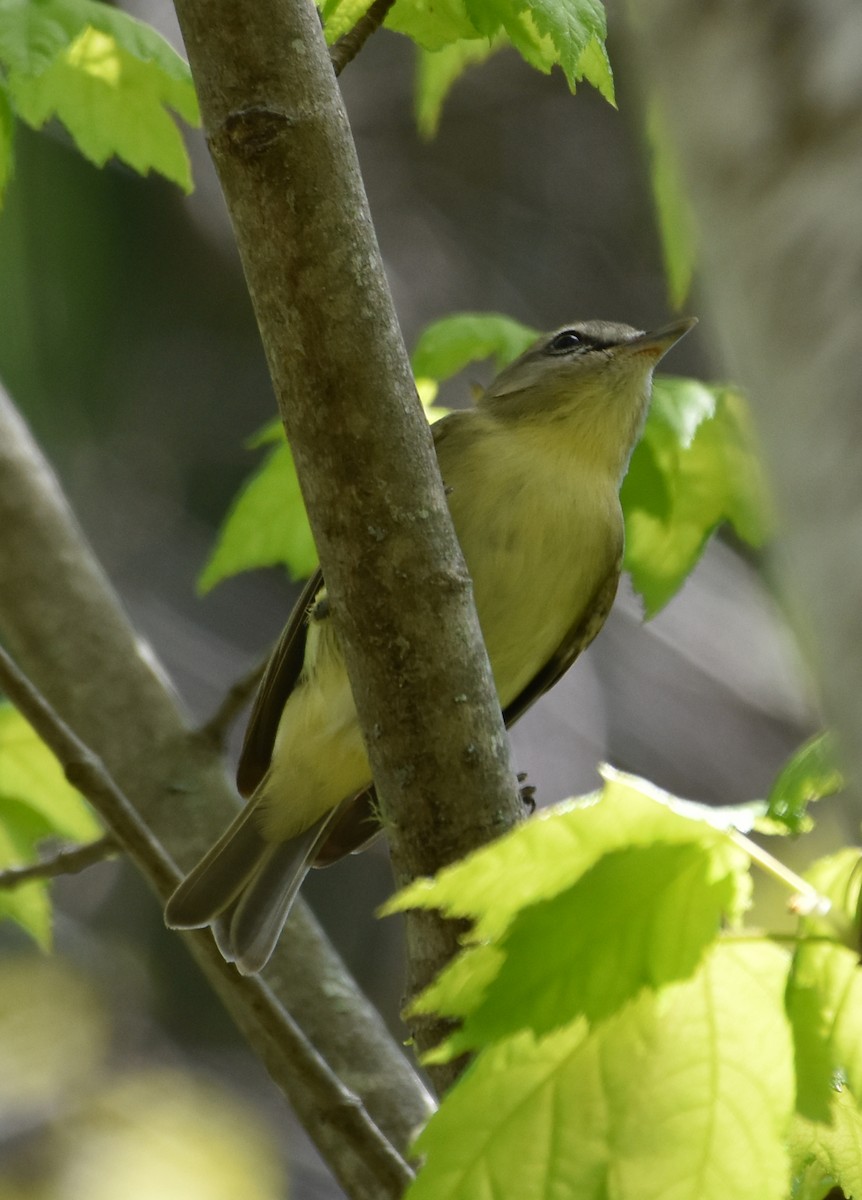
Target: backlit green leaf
[(109, 78), (438, 70), (580, 908), (447, 346), (828, 1154), (432, 26), (641, 917), (36, 803), (684, 1095), (695, 468), (267, 525), (810, 774)]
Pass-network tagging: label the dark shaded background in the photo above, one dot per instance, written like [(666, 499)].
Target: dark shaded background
[(127, 338)]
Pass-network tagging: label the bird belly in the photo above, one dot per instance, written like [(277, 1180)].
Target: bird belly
[(319, 758), (534, 582)]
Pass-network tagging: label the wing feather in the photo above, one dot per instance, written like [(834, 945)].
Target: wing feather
[(279, 680), (576, 640)]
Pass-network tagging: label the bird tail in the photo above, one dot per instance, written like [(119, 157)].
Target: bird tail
[(244, 887)]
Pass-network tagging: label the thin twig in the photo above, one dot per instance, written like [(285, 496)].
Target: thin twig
[(86, 771), (215, 728), (68, 861), (347, 47)]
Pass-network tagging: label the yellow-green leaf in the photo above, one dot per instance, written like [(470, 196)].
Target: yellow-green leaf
[(684, 1095), (36, 802)]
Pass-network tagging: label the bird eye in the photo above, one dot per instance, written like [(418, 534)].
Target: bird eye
[(566, 340)]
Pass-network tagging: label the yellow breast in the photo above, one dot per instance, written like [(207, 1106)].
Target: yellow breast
[(540, 532)]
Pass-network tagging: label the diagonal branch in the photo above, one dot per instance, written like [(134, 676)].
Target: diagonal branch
[(342, 1110), (65, 626), (347, 47)]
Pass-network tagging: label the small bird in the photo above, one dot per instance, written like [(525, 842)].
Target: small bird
[(532, 477)]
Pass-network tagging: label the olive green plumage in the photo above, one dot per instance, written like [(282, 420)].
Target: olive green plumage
[(532, 474)]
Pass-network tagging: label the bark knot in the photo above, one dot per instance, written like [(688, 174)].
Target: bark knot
[(250, 132)]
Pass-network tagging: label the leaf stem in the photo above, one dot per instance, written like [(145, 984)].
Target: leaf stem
[(806, 901)]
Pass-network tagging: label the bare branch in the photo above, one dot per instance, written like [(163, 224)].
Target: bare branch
[(68, 861), (347, 47), (66, 628), (337, 1105)]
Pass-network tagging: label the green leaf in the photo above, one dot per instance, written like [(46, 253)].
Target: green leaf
[(838, 877), (540, 51), (824, 1003), (824, 994), (567, 33), (684, 1095), (270, 434), (36, 802), (33, 32), (827, 1154), (267, 525), (583, 901), (437, 71), (595, 67), (552, 851), (28, 905), (574, 26), (675, 217), (641, 917), (447, 346), (431, 26), (698, 442), (339, 16), (109, 78), (810, 774)]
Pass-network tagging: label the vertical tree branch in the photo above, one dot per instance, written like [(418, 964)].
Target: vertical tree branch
[(764, 98), (401, 596)]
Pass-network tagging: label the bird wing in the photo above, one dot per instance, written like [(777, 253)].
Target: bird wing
[(279, 680), (577, 639)]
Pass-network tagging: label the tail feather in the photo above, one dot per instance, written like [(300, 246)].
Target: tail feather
[(244, 887), (262, 909), (221, 875)]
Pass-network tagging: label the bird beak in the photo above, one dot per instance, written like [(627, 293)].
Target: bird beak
[(657, 343)]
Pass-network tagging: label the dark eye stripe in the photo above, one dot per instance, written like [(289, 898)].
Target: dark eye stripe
[(566, 339), (573, 339)]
